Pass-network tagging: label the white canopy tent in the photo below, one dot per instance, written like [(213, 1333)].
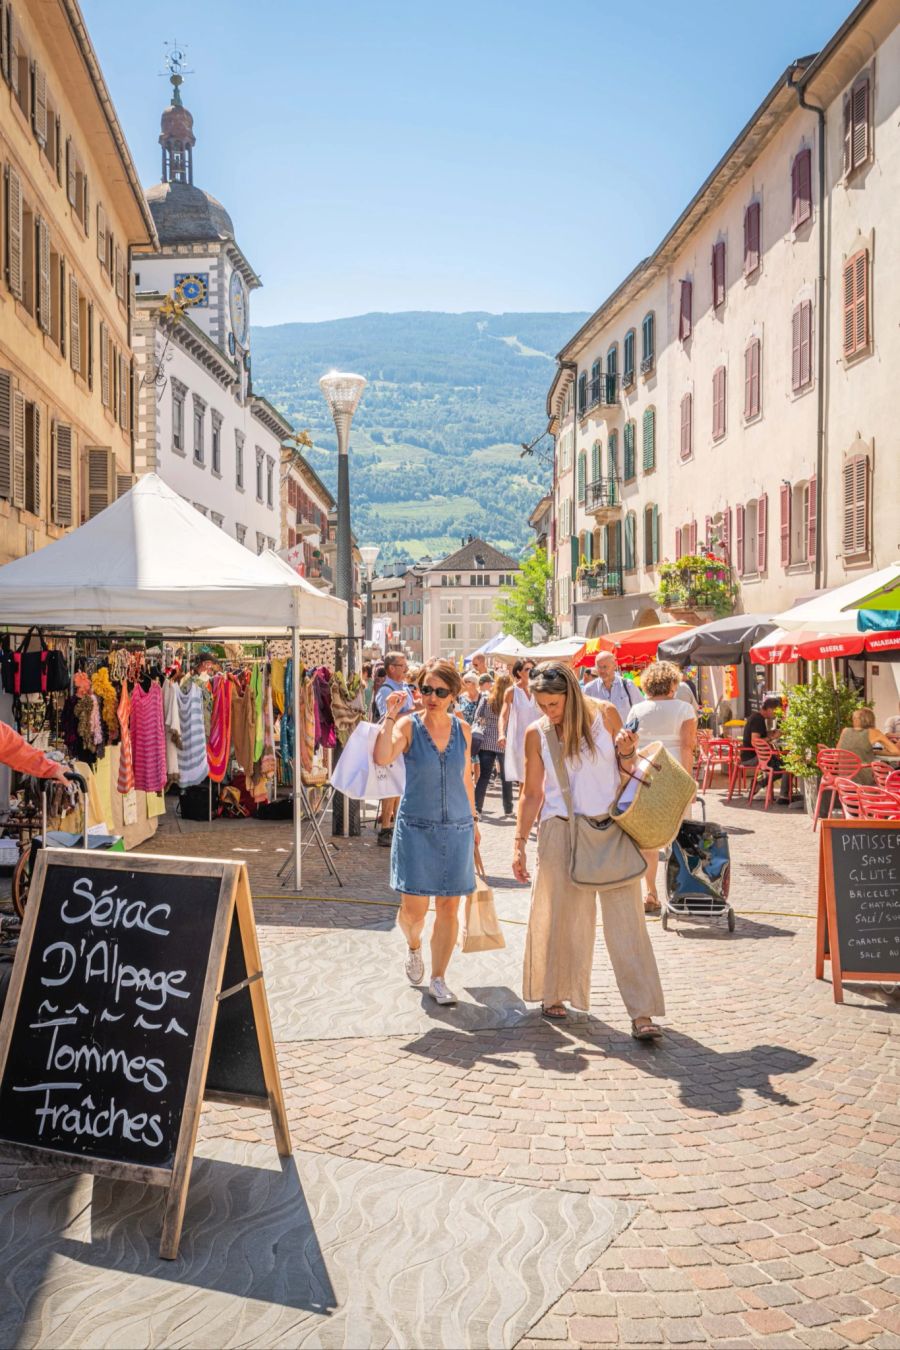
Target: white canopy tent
[(831, 612), (152, 563), (561, 649), (510, 649)]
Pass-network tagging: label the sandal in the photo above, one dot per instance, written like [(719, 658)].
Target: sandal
[(554, 1012), (651, 903), (648, 1032)]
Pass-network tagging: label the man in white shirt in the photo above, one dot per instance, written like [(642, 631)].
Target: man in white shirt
[(611, 688)]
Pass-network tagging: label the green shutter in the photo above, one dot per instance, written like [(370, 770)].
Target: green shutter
[(582, 469), (654, 534), (612, 454), (596, 452), (573, 543), (630, 523), (649, 439), (629, 467), (589, 547)]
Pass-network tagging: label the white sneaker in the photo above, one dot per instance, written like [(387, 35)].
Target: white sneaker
[(415, 966), (440, 993)]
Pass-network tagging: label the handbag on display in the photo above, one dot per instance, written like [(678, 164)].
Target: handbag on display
[(651, 806), (39, 672), (480, 930), (601, 855), (356, 774)]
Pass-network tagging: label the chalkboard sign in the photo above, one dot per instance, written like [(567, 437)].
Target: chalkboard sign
[(137, 990), (859, 902)]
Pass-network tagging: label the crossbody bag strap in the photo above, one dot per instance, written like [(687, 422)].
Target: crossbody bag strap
[(562, 773)]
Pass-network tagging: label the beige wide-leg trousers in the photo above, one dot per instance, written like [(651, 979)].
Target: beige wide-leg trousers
[(562, 927)]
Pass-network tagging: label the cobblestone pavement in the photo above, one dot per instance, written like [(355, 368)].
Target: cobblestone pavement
[(754, 1152)]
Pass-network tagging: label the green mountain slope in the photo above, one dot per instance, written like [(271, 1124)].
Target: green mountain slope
[(436, 439)]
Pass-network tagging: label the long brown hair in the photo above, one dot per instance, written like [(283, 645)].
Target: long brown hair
[(498, 689), (580, 713)]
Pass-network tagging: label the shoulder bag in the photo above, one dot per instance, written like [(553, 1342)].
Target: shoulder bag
[(651, 807), (40, 672), (601, 855)]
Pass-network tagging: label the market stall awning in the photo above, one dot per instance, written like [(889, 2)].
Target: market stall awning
[(782, 647), (510, 649), (724, 642), (562, 649), (835, 610), (631, 646), (152, 563)]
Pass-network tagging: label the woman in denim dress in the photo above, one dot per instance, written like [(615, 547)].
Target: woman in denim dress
[(435, 830)]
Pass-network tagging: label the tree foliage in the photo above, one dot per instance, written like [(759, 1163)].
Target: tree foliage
[(816, 715), (525, 602)]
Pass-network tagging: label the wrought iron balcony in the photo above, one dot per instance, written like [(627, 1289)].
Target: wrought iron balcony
[(599, 579), (601, 395), (604, 498)]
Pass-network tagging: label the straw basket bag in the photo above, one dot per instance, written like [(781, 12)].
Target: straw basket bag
[(651, 806)]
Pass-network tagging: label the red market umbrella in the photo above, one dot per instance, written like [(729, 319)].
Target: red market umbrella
[(631, 646), (781, 648)]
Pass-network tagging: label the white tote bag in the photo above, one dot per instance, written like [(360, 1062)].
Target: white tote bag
[(357, 775)]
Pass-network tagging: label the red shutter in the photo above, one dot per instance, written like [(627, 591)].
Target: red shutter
[(762, 532), (795, 191), (849, 306), (678, 549), (692, 536), (796, 381), (719, 403), (801, 188), (739, 541), (685, 317), (718, 273), (805, 343), (726, 531), (748, 381), (785, 524), (848, 133), (811, 518), (861, 313), (751, 239), (686, 425)]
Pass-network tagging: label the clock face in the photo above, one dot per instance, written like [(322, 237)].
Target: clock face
[(192, 288), (237, 304)]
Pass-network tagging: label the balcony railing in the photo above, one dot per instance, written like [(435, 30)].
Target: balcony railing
[(600, 392), (603, 494), (599, 579)]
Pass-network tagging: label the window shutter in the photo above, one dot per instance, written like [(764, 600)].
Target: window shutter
[(785, 494), (718, 273), (18, 450), (13, 48), (581, 476), (861, 301), (811, 519), (848, 134), (726, 531), (805, 343), (859, 149), (751, 239), (57, 167), (124, 483), (39, 104), (649, 439), (686, 419), (4, 44), (762, 532), (629, 467), (43, 287), (739, 541), (70, 171), (582, 391), (856, 505), (74, 325), (796, 320), (692, 537), (685, 317), (89, 336), (630, 541), (6, 433), (101, 234), (120, 272), (751, 378), (849, 306), (14, 232), (804, 187), (595, 461), (678, 549), (61, 474), (100, 468), (573, 552), (104, 366), (33, 465), (612, 457), (654, 533)]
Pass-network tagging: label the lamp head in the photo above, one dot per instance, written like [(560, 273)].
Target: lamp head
[(369, 554), (342, 394)]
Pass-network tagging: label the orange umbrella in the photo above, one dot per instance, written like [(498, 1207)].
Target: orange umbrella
[(631, 646)]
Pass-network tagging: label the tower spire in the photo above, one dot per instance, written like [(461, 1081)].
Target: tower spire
[(177, 125)]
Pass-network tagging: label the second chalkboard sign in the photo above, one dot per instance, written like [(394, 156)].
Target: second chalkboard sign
[(859, 902), (137, 980)]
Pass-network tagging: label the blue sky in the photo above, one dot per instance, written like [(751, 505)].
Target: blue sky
[(484, 154)]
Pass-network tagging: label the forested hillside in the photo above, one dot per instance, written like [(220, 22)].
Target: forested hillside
[(436, 440)]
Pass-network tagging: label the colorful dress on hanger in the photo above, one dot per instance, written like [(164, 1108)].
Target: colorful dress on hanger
[(243, 726), (148, 738), (125, 782), (172, 716), (219, 747), (193, 765), (257, 684)]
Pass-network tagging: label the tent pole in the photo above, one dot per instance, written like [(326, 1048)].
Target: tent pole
[(295, 767)]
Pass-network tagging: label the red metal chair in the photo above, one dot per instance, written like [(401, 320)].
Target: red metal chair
[(765, 753), (833, 764), (704, 736), (893, 781), (859, 802), (881, 772), (717, 755)]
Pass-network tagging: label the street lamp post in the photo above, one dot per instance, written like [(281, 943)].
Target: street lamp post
[(342, 394), (369, 555)]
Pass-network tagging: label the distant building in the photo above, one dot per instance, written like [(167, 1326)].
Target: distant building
[(387, 593), (72, 211), (412, 611), (199, 424), (459, 595), (305, 507), (541, 519)]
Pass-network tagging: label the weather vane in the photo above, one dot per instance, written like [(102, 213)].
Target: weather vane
[(174, 60)]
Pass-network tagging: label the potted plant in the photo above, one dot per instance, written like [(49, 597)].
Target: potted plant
[(816, 714), (696, 582)]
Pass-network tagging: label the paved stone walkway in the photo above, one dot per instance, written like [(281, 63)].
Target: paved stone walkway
[(753, 1156)]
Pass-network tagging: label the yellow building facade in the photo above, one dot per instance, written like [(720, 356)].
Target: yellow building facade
[(72, 211)]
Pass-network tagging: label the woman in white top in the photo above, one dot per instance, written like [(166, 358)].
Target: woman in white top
[(518, 713), (664, 717), (562, 924)]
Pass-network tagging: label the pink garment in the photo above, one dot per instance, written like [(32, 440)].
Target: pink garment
[(148, 738)]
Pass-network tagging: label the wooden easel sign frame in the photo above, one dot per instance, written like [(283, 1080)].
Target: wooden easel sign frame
[(137, 991), (865, 896)]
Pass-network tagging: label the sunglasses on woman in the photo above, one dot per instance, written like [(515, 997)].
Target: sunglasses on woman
[(435, 690)]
